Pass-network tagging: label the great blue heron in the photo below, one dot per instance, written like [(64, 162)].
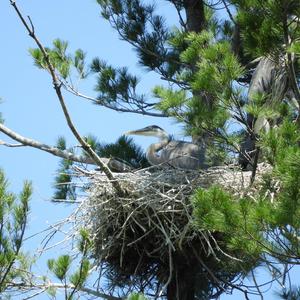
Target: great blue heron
[(270, 81), (179, 154)]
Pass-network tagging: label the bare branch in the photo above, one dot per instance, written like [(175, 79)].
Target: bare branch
[(228, 11), (24, 141), (44, 147), (10, 145)]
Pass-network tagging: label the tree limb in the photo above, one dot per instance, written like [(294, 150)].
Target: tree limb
[(24, 141), (44, 147)]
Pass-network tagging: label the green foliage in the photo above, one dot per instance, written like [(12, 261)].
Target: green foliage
[(290, 294), (235, 219), (217, 152), (281, 147), (125, 149), (60, 59), (51, 291), (280, 140), (295, 48), (217, 69), (92, 141), (13, 221), (60, 266), (61, 143), (80, 276), (79, 62), (263, 25), (288, 172), (84, 243), (64, 188), (210, 82), (115, 84), (138, 23), (136, 297), (215, 210), (171, 102), (63, 268), (262, 108)]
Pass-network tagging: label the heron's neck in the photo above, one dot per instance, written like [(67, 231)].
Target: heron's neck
[(152, 152)]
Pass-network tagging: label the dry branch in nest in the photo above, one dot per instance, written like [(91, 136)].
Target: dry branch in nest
[(149, 234)]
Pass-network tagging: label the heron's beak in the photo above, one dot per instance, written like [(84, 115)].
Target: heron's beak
[(130, 132), (135, 132)]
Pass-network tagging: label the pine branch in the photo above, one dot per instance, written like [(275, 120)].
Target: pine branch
[(114, 23), (19, 243), (141, 110)]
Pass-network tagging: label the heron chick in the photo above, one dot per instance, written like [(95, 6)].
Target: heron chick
[(178, 154)]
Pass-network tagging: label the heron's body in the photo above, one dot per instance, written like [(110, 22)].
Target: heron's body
[(270, 81), (178, 154)]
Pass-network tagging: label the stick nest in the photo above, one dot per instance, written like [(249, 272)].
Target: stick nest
[(149, 233)]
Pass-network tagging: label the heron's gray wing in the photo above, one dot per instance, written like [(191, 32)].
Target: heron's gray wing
[(270, 78), (183, 155)]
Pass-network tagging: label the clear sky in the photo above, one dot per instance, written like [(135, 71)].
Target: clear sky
[(30, 107)]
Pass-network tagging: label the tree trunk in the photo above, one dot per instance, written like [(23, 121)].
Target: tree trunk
[(195, 17), (195, 21), (182, 285)]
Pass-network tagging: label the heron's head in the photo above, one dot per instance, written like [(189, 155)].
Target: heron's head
[(152, 130)]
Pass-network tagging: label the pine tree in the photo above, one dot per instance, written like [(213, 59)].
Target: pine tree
[(14, 210), (204, 60)]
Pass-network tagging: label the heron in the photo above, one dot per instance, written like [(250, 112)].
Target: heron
[(270, 81), (178, 154)]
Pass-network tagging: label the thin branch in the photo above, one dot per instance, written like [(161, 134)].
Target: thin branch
[(10, 145), (228, 12), (46, 286), (118, 109), (35, 294), (257, 285)]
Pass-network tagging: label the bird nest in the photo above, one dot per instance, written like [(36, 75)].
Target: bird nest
[(149, 233)]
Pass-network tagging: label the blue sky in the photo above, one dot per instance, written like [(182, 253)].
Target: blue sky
[(30, 107)]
